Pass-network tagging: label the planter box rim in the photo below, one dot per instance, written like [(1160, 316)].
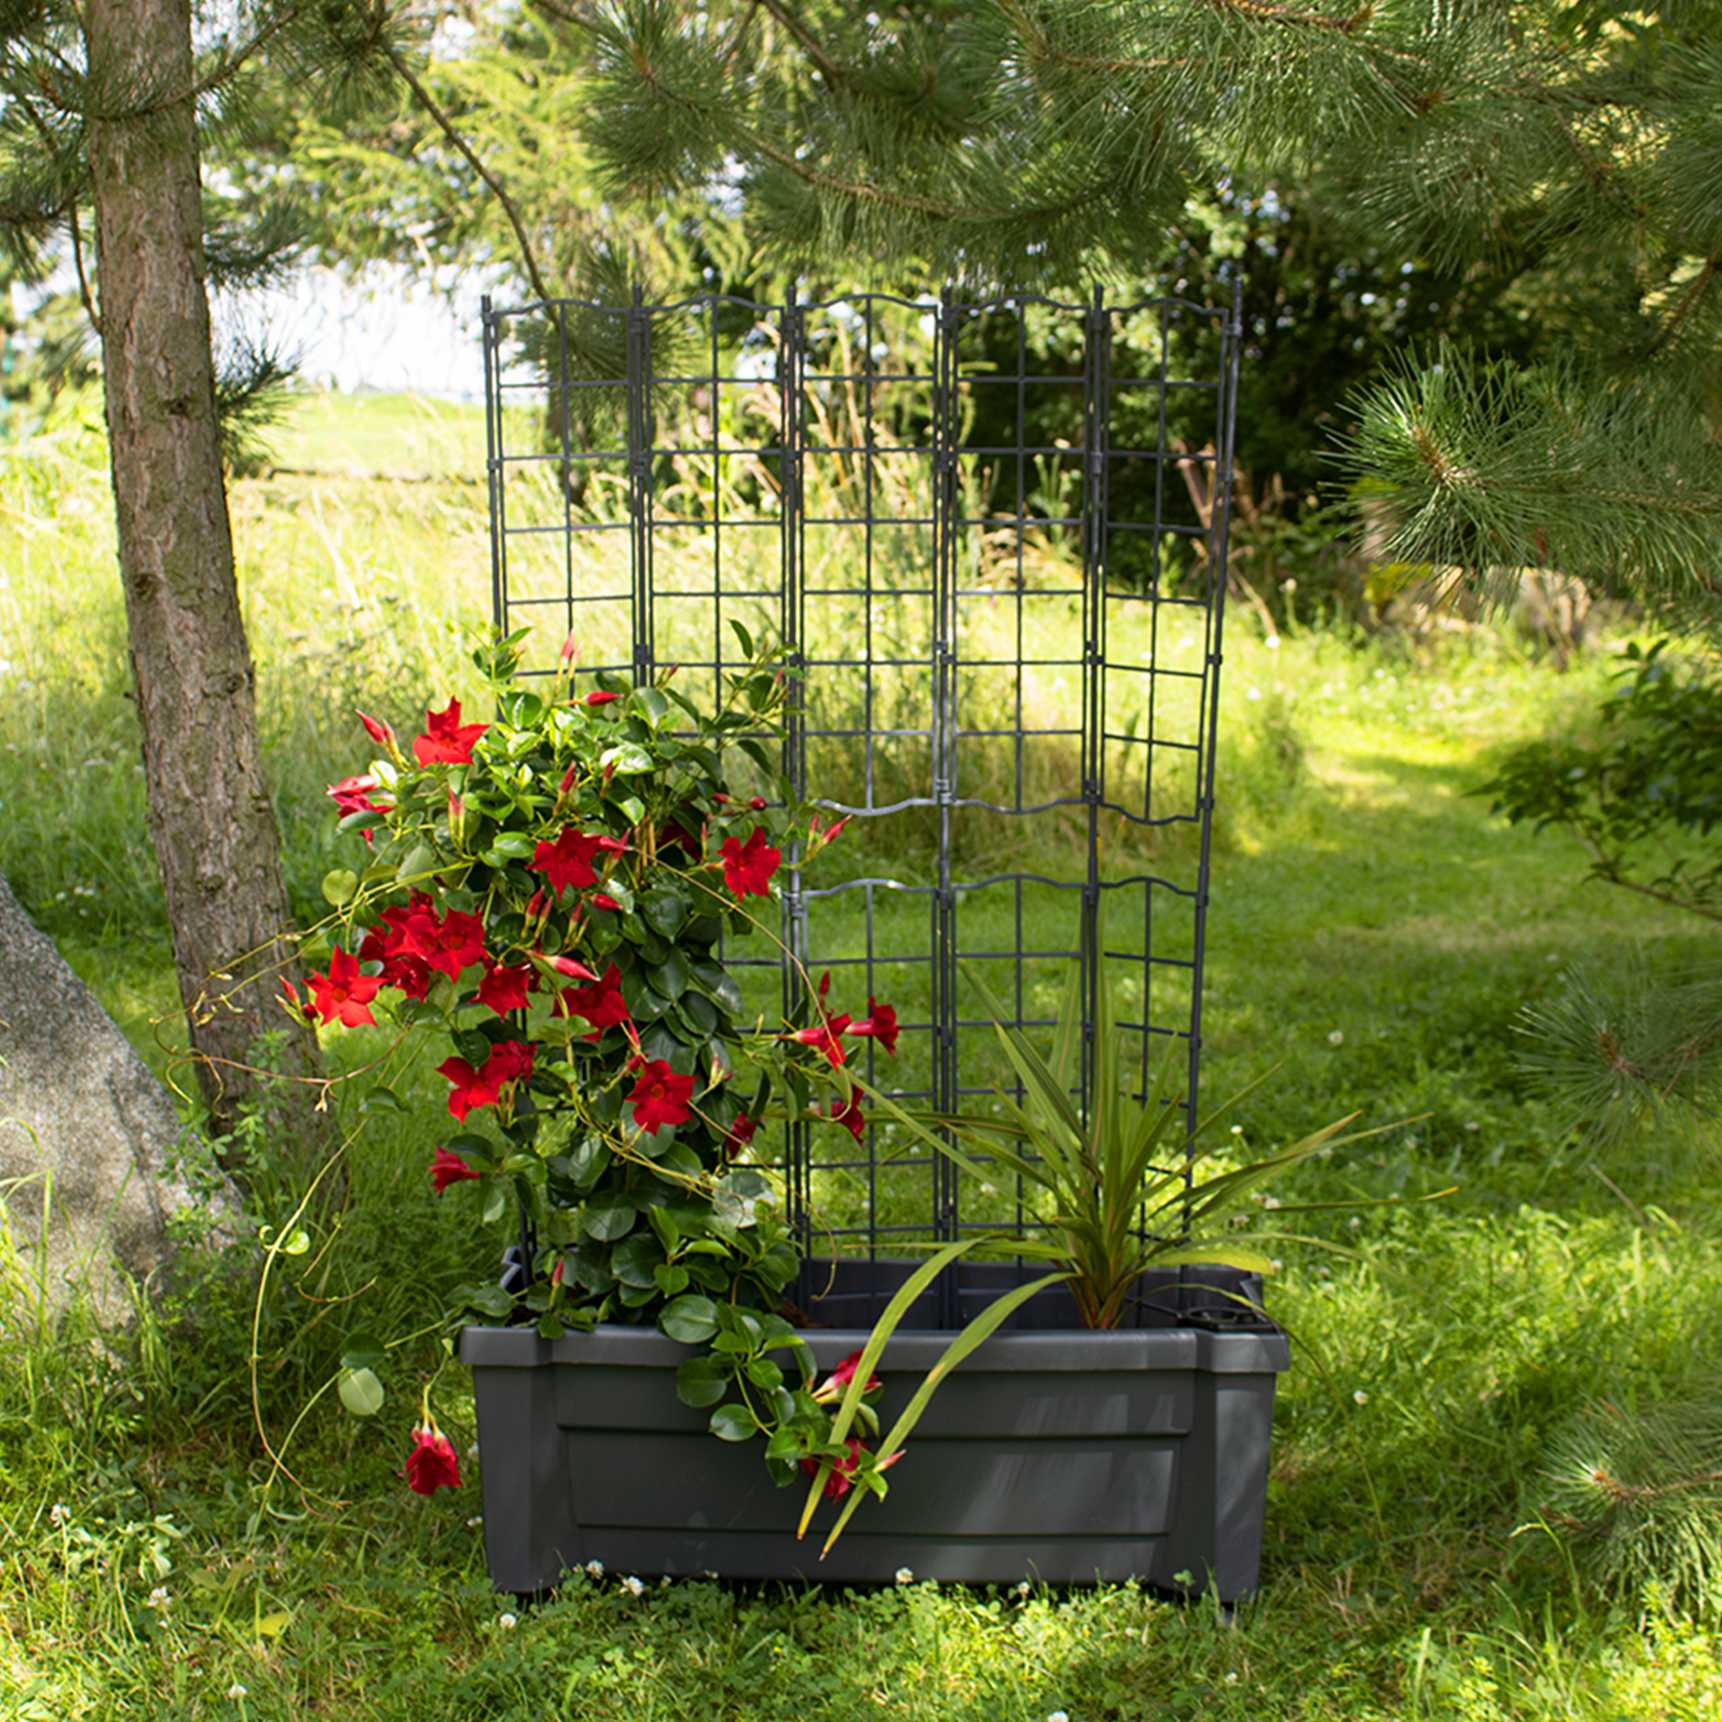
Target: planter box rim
[(1073, 1351)]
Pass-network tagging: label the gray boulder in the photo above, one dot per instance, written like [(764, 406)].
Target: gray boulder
[(82, 1117)]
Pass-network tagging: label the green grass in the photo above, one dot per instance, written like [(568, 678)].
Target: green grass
[(1373, 934)]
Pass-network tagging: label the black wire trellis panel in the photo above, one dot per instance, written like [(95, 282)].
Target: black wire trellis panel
[(995, 633)]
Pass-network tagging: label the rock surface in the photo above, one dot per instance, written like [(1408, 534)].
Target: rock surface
[(79, 1105)]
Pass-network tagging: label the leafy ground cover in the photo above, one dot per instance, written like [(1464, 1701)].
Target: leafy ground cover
[(1374, 935)]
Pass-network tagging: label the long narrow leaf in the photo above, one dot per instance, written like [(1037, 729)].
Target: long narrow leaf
[(883, 1328), (1040, 1086), (981, 1328)]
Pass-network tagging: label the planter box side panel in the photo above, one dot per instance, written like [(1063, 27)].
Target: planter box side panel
[(531, 1533)]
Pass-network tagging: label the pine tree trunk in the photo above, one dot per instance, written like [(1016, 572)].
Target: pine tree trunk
[(210, 816)]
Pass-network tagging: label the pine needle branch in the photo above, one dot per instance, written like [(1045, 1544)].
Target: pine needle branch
[(446, 126)]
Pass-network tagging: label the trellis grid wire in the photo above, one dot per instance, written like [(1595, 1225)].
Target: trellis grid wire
[(1004, 598)]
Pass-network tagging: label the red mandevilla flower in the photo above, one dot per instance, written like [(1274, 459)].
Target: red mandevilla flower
[(351, 795), (432, 1464), (748, 867), (454, 943), (842, 1375), (471, 1088), (660, 1097), (837, 1483), (567, 861), (446, 740), (827, 1036), (880, 1024), (505, 989), (343, 994), (601, 1004), (447, 1168), (408, 974), (511, 1060), (850, 1116), (739, 1134)]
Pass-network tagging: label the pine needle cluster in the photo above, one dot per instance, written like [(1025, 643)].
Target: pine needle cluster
[(1637, 1496)]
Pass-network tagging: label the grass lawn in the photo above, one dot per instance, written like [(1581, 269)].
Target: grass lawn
[(1374, 936)]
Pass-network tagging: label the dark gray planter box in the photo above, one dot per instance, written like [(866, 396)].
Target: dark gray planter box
[(1052, 1453)]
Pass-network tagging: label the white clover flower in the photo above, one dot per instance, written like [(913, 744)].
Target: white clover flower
[(475, 1521), (507, 1622), (905, 1576), (1336, 1037), (1058, 1716), (1237, 1130), (59, 1514), (634, 1586), (1270, 1201), (1355, 1222), (159, 1598), (595, 1569), (1360, 1397), (1231, 1677), (1023, 1588), (237, 1690), (472, 1451), (1272, 642)]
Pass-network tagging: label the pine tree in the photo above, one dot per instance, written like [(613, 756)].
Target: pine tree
[(1033, 143), (106, 111)]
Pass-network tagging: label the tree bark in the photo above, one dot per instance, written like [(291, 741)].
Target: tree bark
[(210, 817)]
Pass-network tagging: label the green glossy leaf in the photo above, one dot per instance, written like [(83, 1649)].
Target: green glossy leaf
[(628, 759), (664, 910), (361, 1392), (701, 1381), (609, 1215), (339, 884), (734, 1423), (689, 1318)]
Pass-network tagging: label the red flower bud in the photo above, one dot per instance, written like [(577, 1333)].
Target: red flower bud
[(601, 697), (573, 970), (380, 733), (757, 803), (570, 649), (536, 904), (568, 777)]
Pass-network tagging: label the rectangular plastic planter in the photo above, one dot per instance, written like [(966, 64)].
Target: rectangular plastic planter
[(1053, 1453)]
